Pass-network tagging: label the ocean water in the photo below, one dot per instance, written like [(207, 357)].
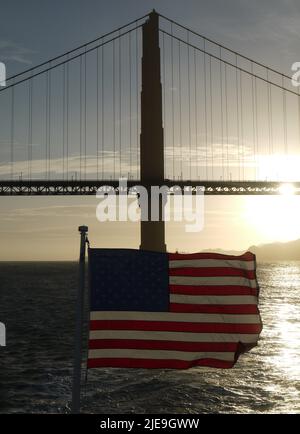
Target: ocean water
[(37, 305)]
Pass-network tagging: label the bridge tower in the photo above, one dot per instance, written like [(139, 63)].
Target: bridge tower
[(152, 137)]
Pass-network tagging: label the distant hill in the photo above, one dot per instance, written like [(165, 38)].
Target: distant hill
[(289, 251)]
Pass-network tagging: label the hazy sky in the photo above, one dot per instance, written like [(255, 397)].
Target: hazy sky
[(33, 31)]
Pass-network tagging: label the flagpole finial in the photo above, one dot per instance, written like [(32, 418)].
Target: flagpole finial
[(83, 229)]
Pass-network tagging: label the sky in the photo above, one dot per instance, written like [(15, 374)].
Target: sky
[(34, 31)]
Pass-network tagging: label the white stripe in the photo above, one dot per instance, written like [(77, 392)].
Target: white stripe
[(158, 354), (173, 336), (213, 299), (209, 281), (174, 317), (201, 263)]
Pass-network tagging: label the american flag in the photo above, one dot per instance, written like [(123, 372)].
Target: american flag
[(162, 310)]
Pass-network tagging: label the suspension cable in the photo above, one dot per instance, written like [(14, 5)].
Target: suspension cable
[(137, 101), (189, 110), (180, 111), (257, 131), (284, 118), (238, 121), (222, 116), (67, 121), (12, 134), (164, 95), (85, 117), (29, 128), (172, 103), (63, 117), (226, 120), (205, 113), (196, 111), (224, 47), (120, 107), (213, 56), (97, 113), (211, 121), (130, 104), (242, 127), (68, 60), (253, 119), (67, 53), (80, 123), (114, 110), (102, 111)]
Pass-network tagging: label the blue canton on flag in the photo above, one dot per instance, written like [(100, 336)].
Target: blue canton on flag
[(129, 280)]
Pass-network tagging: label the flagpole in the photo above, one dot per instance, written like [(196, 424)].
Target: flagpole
[(79, 322)]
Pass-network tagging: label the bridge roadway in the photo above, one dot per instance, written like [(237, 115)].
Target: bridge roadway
[(90, 187)]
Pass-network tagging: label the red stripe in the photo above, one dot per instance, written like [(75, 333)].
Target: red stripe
[(153, 364), (162, 345), (241, 309), (212, 272), (175, 326), (212, 290), (248, 256)]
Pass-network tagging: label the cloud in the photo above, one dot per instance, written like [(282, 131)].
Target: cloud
[(49, 211), (228, 157), (11, 51), (87, 164), (266, 30)]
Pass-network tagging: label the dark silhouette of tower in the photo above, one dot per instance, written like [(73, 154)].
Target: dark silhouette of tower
[(152, 138)]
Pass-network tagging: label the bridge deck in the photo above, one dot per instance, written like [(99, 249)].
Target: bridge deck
[(90, 187)]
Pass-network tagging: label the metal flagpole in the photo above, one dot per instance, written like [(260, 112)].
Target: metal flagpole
[(79, 322)]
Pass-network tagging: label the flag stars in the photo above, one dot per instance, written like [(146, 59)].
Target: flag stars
[(129, 280)]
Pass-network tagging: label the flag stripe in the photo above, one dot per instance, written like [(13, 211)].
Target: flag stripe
[(163, 345), (212, 263), (161, 354), (248, 256), (212, 290), (212, 272), (173, 336), (219, 280), (156, 364), (175, 326), (209, 308), (213, 299), (170, 316)]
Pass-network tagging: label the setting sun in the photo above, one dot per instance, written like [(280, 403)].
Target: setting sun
[(275, 218), (287, 189)]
